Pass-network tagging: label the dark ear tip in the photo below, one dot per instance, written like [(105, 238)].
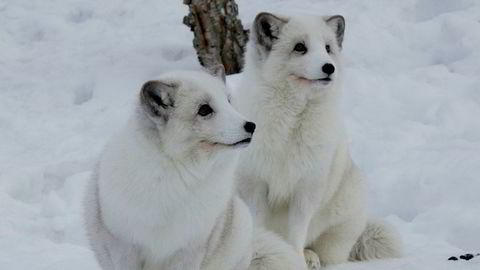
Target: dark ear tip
[(148, 90), (262, 15), (149, 86), (338, 18), (154, 84), (155, 94), (267, 16)]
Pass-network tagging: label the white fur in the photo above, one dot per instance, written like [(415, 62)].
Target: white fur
[(297, 175), (162, 196), (379, 240)]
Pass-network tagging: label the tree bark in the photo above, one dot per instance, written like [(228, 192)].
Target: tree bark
[(219, 37)]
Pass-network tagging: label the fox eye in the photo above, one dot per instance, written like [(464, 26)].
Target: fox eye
[(205, 110), (301, 48), (327, 47)]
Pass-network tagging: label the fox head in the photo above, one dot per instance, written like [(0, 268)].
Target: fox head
[(189, 112), (301, 51)]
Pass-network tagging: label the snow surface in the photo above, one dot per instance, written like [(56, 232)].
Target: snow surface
[(70, 71)]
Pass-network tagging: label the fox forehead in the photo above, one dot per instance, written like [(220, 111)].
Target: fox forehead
[(308, 27), (195, 87)]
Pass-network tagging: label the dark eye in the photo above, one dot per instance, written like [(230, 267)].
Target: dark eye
[(327, 47), (205, 110), (300, 47)]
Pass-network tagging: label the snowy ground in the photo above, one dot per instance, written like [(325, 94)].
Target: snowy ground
[(70, 70)]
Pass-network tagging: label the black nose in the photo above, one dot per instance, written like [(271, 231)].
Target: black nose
[(249, 127), (328, 68)]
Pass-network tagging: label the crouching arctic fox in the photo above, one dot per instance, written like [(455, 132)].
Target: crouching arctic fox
[(162, 196), (297, 176)]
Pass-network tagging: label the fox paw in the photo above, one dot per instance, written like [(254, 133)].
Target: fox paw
[(312, 260)]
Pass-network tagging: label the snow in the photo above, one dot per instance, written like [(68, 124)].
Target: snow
[(70, 71)]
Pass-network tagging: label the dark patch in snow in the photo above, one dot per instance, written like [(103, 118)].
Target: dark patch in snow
[(465, 257), (80, 15), (174, 54), (83, 93)]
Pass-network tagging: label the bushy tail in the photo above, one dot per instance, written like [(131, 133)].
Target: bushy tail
[(272, 253), (379, 240)]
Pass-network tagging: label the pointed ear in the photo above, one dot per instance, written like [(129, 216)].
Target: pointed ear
[(337, 23), (266, 29), (157, 98), (218, 71)]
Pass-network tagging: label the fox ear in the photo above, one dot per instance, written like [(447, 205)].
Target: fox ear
[(157, 99), (266, 29), (218, 71), (337, 23)]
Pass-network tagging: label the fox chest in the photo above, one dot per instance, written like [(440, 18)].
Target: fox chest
[(152, 217), (284, 169)]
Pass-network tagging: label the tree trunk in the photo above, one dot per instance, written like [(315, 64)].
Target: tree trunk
[(219, 37)]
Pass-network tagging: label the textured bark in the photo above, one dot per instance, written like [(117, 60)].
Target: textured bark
[(219, 37)]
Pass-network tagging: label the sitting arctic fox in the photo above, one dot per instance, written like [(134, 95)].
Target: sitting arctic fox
[(297, 175), (162, 197)]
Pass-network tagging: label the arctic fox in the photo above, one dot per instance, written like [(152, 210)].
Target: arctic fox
[(297, 176), (162, 197)]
